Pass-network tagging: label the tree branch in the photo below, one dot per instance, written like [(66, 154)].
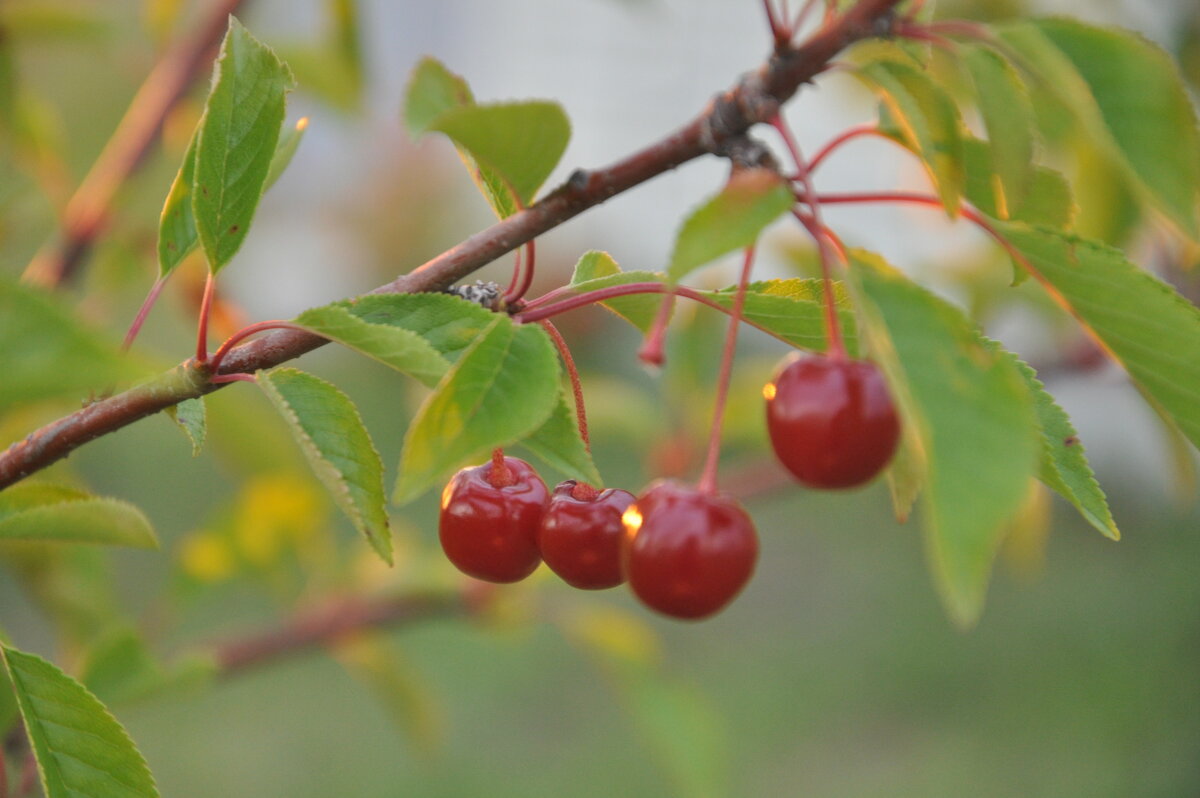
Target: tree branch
[(88, 209), (755, 99), (330, 622)]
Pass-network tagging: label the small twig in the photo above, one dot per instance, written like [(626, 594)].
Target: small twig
[(576, 387), (708, 477), (753, 100), (88, 209), (334, 620)]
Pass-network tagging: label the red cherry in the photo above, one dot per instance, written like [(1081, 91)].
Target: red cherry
[(581, 533), (489, 520), (831, 420), (687, 553)]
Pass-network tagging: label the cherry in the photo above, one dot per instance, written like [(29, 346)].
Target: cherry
[(687, 553), (581, 533), (831, 420), (490, 517)]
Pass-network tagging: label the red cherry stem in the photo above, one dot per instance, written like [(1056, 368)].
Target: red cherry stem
[(848, 135), (708, 477), (573, 373), (518, 288), (205, 311), (583, 492), (974, 216), (522, 277), (516, 274), (928, 200), (916, 32), (833, 330), (143, 312), (779, 32), (651, 351), (239, 336), (538, 309), (805, 10), (811, 225), (500, 475)]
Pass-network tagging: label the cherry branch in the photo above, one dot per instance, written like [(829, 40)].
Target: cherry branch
[(334, 620), (755, 99), (88, 209)]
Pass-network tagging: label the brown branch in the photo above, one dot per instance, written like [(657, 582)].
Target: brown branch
[(327, 624), (755, 99), (87, 211)]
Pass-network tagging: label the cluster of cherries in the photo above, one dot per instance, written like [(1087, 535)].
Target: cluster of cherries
[(686, 552)]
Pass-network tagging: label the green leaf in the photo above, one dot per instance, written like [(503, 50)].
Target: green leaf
[(501, 390), (177, 235), (928, 120), (449, 324), (1152, 330), (329, 429), (392, 345), (677, 721), (1008, 116), (793, 311), (410, 699), (120, 668), (432, 90), (971, 413), (1128, 95), (731, 220), (81, 749), (522, 142), (559, 445), (192, 418), (596, 270), (235, 141), (1049, 201), (48, 352), (58, 514), (906, 475), (285, 150), (1064, 466)]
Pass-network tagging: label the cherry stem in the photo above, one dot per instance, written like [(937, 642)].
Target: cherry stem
[(516, 275), (522, 277), (708, 477), (836, 348), (974, 216), (651, 352), (530, 258), (779, 32), (221, 379), (143, 312), (922, 33), (205, 311), (970, 214), (573, 373), (500, 475), (849, 135), (583, 492), (805, 10), (238, 337), (546, 310)]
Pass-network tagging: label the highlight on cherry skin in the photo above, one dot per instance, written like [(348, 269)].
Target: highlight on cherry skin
[(581, 533), (489, 520), (831, 420), (687, 553)]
